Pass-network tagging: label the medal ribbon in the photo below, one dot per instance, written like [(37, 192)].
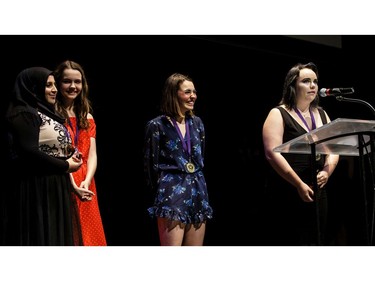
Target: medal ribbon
[(76, 133), (313, 124), (186, 147)]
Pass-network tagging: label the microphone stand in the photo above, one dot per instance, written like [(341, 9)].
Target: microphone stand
[(372, 146), (341, 98)]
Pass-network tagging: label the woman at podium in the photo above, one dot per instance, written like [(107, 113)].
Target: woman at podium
[(289, 186)]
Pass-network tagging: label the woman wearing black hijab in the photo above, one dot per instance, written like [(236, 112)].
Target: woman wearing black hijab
[(40, 210)]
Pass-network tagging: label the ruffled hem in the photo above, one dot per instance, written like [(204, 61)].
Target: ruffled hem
[(176, 215)]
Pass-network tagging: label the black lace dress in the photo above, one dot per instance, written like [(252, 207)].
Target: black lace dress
[(40, 210)]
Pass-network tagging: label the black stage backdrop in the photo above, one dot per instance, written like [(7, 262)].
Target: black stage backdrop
[(239, 78)]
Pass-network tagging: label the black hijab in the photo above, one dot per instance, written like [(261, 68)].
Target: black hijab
[(29, 94)]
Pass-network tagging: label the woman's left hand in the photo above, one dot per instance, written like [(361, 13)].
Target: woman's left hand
[(322, 178)]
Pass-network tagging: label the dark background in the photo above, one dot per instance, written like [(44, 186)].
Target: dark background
[(238, 79)]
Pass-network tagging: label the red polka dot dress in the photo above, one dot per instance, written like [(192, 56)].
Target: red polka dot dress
[(91, 222)]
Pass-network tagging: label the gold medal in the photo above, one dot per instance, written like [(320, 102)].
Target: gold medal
[(190, 167)]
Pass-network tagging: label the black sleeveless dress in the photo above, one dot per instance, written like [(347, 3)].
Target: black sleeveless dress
[(291, 221)]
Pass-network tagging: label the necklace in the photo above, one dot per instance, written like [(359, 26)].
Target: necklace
[(313, 125), (185, 144)]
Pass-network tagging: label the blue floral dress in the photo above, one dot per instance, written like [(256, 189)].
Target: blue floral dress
[(180, 195)]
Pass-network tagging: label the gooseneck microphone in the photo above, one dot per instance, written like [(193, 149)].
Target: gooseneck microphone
[(335, 92)]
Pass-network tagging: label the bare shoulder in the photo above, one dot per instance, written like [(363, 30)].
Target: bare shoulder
[(89, 116), (328, 119), (275, 111), (274, 118)]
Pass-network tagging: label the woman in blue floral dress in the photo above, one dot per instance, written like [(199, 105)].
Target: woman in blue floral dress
[(173, 162)]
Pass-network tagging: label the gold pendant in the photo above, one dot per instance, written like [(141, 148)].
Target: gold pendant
[(190, 167), (317, 157)]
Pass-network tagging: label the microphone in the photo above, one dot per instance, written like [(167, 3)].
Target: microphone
[(335, 92)]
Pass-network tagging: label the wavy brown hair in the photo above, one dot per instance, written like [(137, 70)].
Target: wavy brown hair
[(82, 104)]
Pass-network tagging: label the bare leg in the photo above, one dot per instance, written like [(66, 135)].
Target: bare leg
[(171, 233), (194, 235)]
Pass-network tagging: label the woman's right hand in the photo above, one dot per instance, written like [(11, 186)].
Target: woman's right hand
[(306, 193), (74, 165), (83, 193)]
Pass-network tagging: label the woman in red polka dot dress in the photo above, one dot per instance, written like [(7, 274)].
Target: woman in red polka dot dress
[(73, 103)]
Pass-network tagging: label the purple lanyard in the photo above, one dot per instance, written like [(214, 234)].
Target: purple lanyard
[(76, 133), (187, 147), (303, 119)]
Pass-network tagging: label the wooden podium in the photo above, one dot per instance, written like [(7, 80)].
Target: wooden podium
[(347, 137)]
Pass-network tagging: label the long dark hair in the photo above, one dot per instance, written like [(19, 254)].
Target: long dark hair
[(289, 90)]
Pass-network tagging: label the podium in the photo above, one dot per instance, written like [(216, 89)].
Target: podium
[(347, 137)]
